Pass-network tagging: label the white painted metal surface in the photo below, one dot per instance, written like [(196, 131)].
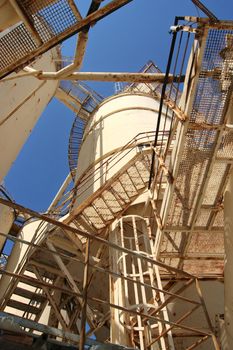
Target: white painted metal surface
[(114, 124), (32, 232), (6, 221), (22, 102), (8, 16), (212, 292)]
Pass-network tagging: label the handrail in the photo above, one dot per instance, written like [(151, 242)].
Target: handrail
[(89, 175)]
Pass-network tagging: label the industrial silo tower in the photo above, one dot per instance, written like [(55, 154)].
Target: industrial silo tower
[(135, 250)]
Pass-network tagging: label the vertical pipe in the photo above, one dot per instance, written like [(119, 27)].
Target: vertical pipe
[(174, 35), (118, 333), (149, 246), (126, 291), (136, 296)]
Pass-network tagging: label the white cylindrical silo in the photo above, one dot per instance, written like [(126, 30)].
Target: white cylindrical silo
[(22, 102), (6, 221), (32, 232), (19, 250), (117, 120)]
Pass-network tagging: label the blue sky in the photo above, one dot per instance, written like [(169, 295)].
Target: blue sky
[(124, 41)]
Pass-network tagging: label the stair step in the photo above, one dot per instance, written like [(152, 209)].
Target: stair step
[(115, 195), (25, 293), (23, 307)]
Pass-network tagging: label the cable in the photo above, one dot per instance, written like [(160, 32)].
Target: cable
[(174, 33), (204, 9)]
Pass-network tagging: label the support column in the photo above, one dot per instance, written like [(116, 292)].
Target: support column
[(228, 271), (118, 333)]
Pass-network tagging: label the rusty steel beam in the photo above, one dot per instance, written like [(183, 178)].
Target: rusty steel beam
[(111, 77), (55, 332), (102, 76), (93, 265), (74, 29), (66, 227), (111, 305), (202, 7)]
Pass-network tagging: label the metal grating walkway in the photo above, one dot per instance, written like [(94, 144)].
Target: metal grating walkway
[(43, 24), (115, 196), (192, 210)]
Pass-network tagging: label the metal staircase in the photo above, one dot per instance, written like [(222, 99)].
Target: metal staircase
[(117, 194), (95, 214), (82, 100), (69, 269), (191, 236)]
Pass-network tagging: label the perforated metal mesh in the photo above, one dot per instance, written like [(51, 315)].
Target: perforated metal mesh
[(205, 161), (171, 242), (50, 18), (15, 44), (200, 145), (218, 174), (207, 242), (89, 100), (203, 267), (116, 195), (56, 15), (226, 147)]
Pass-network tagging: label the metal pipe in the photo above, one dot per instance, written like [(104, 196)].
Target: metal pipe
[(25, 323), (166, 80), (101, 76)]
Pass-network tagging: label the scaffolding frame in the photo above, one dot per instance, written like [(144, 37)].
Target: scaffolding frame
[(83, 237)]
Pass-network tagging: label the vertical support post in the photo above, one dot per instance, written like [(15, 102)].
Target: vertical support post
[(136, 296), (228, 271), (117, 288), (84, 304), (68, 276), (164, 310), (51, 300), (148, 245)]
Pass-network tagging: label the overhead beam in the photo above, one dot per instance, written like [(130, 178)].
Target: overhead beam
[(76, 28), (100, 76), (65, 226)]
